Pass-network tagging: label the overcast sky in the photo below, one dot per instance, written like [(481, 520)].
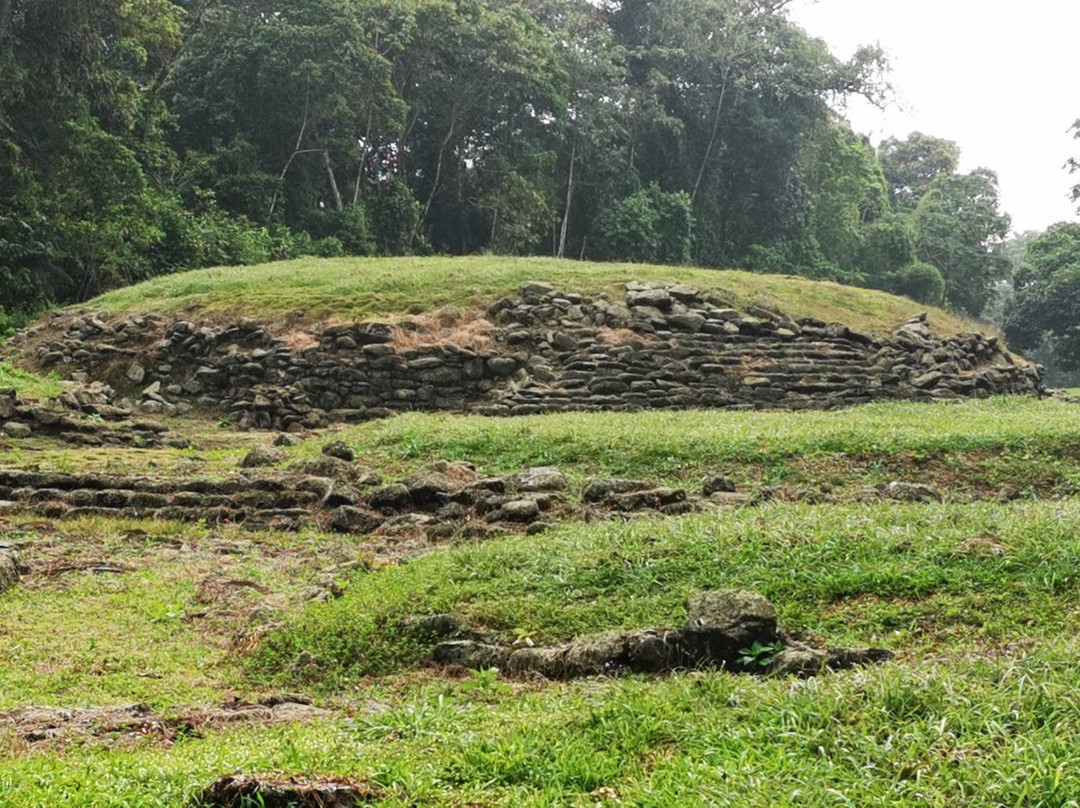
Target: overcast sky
[(998, 78)]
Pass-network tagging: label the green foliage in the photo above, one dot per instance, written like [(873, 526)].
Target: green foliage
[(921, 282), (1047, 298), (887, 246), (520, 215), (759, 656), (911, 166), (849, 196), (960, 230), (138, 139), (395, 216), (650, 226)]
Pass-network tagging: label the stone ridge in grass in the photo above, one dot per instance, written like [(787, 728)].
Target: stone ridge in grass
[(352, 289)]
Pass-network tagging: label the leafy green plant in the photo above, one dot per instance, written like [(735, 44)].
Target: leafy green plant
[(759, 655)]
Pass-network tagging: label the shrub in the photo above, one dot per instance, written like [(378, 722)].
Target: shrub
[(921, 282), (650, 226)]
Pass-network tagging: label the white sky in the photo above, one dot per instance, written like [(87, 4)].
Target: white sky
[(999, 78)]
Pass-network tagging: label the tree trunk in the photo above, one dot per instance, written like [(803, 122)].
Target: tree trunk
[(438, 175), (358, 190), (338, 204), (712, 137), (569, 200), (289, 162)]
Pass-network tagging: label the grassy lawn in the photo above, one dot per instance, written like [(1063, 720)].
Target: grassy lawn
[(669, 444), (918, 579), (980, 600), (977, 732), (358, 289)]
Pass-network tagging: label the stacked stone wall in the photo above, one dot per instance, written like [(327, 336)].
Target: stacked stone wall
[(662, 347)]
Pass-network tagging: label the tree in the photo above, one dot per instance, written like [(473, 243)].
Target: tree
[(960, 230), (81, 145), (911, 166), (921, 282), (281, 104), (1046, 307), (477, 78), (848, 194), (725, 95)]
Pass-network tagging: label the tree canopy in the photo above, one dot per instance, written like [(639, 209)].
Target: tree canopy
[(138, 138)]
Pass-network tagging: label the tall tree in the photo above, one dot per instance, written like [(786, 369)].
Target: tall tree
[(960, 230), (81, 144), (279, 103), (912, 165), (1046, 308)]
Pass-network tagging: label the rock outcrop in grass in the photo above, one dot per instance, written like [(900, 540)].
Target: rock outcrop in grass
[(733, 630)]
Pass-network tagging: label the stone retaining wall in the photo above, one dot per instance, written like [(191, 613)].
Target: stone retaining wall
[(663, 347)]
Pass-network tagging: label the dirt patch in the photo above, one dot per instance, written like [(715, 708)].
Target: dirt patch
[(117, 726), (239, 791)]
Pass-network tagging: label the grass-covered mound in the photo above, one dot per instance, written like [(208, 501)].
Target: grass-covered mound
[(362, 288), (918, 579)]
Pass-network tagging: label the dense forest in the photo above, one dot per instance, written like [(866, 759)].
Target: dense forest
[(139, 137)]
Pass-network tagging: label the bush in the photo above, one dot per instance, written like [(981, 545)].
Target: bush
[(888, 246), (393, 216), (921, 282), (329, 247), (649, 226)]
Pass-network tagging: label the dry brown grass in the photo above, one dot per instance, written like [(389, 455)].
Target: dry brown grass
[(617, 337), (296, 339), (448, 326)]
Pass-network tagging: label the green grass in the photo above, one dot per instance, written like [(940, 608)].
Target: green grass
[(913, 578), (980, 601), (682, 446), (1002, 732), (29, 385), (357, 289)]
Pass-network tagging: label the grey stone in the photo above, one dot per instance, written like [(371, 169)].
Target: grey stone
[(721, 624), (353, 520), (330, 467), (802, 662), (717, 484), (518, 510), (11, 568), (15, 429), (652, 498), (471, 654), (391, 497), (652, 298), (262, 456), (436, 625), (602, 490), (686, 322), (430, 486), (339, 449), (544, 478), (502, 365)]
